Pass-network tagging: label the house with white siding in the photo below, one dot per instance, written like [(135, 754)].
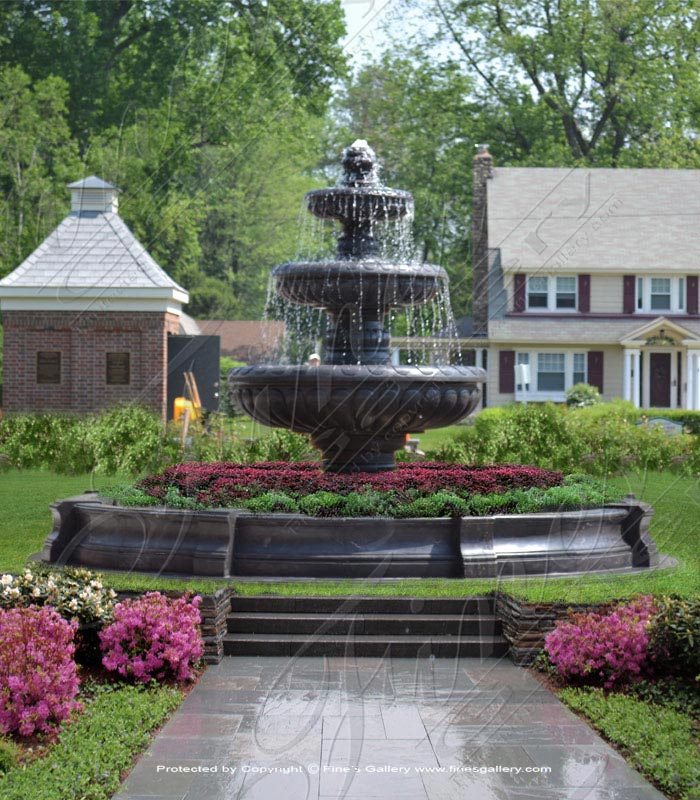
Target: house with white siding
[(587, 275)]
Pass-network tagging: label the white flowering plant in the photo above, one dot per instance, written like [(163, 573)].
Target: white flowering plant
[(77, 594)]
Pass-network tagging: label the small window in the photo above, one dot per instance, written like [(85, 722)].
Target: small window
[(537, 291), (579, 375), (48, 366), (566, 293), (118, 369), (551, 372), (660, 294)]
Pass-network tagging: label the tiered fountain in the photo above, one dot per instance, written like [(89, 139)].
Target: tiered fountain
[(356, 405)]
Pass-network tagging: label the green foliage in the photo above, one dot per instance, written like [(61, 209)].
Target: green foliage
[(37, 159), (128, 495), (280, 445), (322, 504), (440, 504), (601, 440), (272, 502), (659, 742), (675, 634), (581, 395), (676, 693), (9, 755), (92, 752)]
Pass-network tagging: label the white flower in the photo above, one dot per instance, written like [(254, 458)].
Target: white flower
[(50, 585), (14, 592), (36, 592), (6, 580), (96, 584), (73, 605)]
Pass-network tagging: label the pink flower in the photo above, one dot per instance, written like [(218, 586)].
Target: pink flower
[(153, 637)]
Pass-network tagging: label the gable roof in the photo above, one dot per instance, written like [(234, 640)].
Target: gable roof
[(567, 220), (96, 251), (251, 341)]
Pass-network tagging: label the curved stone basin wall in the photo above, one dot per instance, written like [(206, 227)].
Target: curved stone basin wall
[(91, 532)]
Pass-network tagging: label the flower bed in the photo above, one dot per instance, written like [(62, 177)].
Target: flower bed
[(424, 489)]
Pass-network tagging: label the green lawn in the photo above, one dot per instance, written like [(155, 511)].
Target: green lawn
[(25, 522)]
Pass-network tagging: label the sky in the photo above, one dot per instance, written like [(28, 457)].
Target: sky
[(364, 19)]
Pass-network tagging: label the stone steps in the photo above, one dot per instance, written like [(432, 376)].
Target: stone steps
[(369, 626)]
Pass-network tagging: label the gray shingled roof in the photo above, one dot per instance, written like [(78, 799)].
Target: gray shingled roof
[(595, 219), (90, 249), (92, 182)]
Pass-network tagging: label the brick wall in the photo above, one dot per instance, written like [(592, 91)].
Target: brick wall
[(84, 339)]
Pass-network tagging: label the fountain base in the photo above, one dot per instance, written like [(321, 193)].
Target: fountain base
[(91, 532)]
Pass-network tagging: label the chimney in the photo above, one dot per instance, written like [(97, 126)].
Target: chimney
[(93, 194), (483, 164)]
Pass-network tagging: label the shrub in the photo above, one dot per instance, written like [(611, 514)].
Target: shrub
[(75, 593), (581, 395), (9, 755), (607, 649), (38, 676), (153, 637), (675, 634)]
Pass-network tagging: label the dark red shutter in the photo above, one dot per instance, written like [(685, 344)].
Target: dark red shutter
[(691, 290), (506, 371), (519, 292), (584, 293), (629, 282), (595, 369)]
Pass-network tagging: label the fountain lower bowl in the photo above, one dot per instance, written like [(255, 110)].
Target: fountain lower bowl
[(358, 416)]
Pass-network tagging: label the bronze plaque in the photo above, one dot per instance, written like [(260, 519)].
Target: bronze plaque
[(48, 367), (118, 368)]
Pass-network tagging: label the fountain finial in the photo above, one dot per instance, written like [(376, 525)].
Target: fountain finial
[(360, 165)]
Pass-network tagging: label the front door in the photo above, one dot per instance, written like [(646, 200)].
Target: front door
[(660, 380)]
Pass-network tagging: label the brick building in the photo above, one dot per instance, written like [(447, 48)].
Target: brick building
[(87, 315), (587, 275)]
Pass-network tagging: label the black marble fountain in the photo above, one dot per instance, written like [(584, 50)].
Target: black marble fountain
[(357, 407)]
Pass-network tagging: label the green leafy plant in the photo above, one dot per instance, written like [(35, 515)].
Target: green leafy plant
[(581, 395), (9, 754), (675, 634)]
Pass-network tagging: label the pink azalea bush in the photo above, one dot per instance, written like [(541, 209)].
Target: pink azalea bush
[(38, 675), (603, 648), (153, 637)]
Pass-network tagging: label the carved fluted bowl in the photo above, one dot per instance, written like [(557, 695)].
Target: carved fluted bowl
[(358, 416), (369, 284)]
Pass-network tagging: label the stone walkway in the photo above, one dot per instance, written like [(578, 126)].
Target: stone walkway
[(292, 729)]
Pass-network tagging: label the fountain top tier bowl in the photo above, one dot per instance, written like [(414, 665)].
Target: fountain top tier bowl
[(357, 406)]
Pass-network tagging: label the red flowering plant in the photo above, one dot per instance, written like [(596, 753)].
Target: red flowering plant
[(608, 649), (224, 484), (153, 637), (38, 675)]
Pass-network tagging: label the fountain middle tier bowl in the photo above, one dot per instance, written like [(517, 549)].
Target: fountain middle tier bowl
[(359, 204), (358, 416), (369, 283)]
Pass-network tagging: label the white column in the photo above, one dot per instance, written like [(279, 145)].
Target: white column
[(395, 356), (627, 375), (696, 383), (647, 382), (689, 379), (636, 361)]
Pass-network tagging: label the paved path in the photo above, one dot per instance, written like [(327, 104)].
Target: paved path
[(286, 729)]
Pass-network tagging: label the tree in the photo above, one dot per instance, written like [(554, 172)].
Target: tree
[(126, 55), (37, 160), (619, 79)]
